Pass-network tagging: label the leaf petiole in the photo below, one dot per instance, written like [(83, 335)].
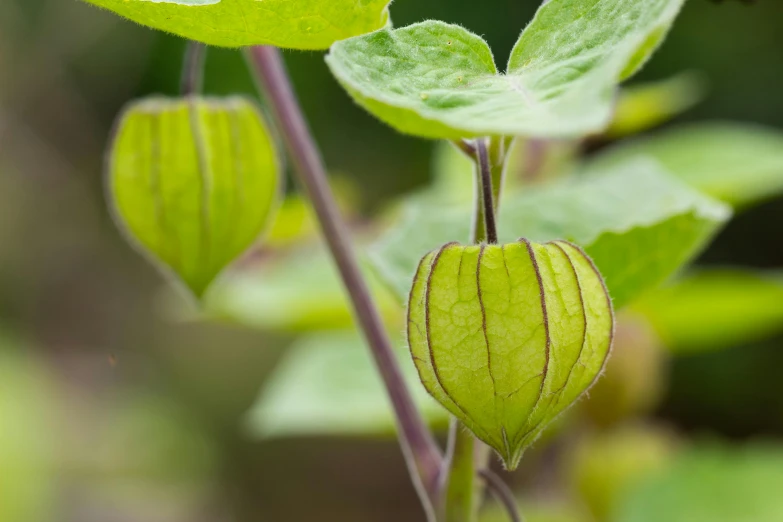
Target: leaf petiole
[(193, 64), (486, 192)]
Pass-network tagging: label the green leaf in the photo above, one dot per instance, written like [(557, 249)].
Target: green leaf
[(643, 106), (740, 164), (295, 24), (327, 385), (193, 182), (715, 308), (637, 223), (454, 179), (711, 483), (437, 80), (507, 337), (295, 222), (298, 292)]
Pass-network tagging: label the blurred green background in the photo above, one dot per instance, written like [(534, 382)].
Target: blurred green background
[(114, 406)]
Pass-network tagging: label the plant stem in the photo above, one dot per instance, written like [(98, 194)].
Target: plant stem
[(465, 455), (459, 499), (486, 194), (192, 80), (503, 493), (421, 453), (479, 232), (498, 148), (466, 146)]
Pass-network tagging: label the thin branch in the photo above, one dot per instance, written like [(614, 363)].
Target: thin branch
[(535, 159), (459, 491), (485, 183), (193, 68), (479, 230), (498, 153), (466, 146), (422, 454), (503, 493)]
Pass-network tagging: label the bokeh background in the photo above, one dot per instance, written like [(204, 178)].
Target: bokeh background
[(115, 407)]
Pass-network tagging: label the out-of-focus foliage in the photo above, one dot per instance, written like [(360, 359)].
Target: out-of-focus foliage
[(300, 291), (144, 436), (133, 445), (124, 447), (644, 106), (635, 376), (27, 486), (605, 466), (327, 386), (454, 180), (711, 482), (710, 309), (295, 223), (741, 164)]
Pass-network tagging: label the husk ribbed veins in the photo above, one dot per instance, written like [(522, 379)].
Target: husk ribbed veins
[(506, 337), (193, 182)]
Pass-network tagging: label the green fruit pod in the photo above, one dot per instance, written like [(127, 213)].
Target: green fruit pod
[(193, 182), (506, 337)]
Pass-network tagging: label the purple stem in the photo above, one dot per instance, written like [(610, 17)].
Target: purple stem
[(503, 493), (193, 68), (485, 182), (422, 454)]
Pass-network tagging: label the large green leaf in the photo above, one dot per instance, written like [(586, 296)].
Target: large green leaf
[(637, 223), (328, 385), (193, 182), (737, 163), (716, 308), (709, 484), (437, 80), (295, 24)]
